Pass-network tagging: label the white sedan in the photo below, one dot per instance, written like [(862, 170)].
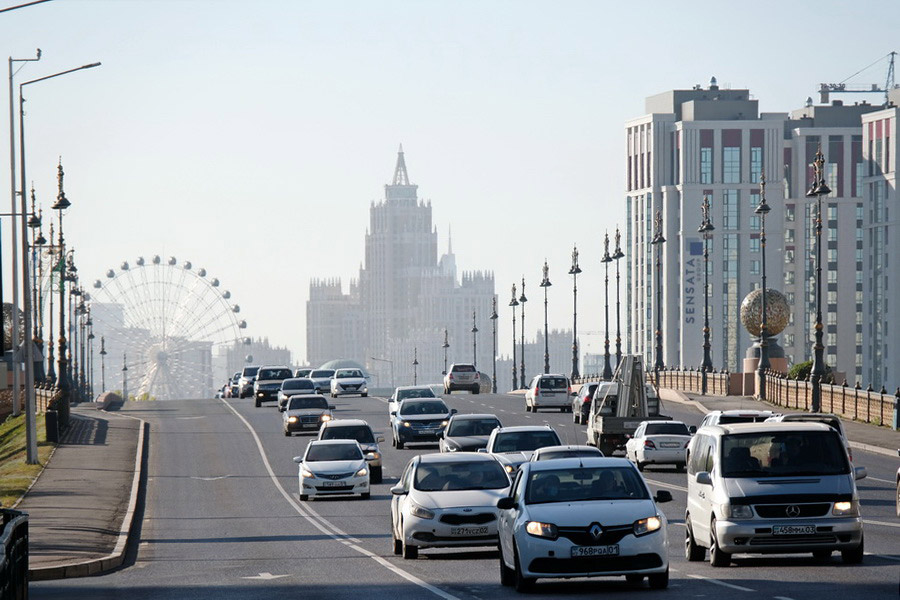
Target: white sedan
[(333, 468), (447, 500), (582, 517), (348, 382), (659, 443)]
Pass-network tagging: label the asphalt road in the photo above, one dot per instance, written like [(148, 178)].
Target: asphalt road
[(222, 520)]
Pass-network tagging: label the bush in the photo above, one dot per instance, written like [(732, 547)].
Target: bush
[(801, 371)]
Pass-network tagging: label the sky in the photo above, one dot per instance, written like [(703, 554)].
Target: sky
[(251, 137)]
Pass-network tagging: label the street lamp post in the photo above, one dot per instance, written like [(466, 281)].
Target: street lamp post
[(415, 364), (706, 228), (522, 301), (817, 190), (607, 368), (658, 241), (387, 360), (574, 271), (494, 318), (474, 342), (445, 346), (90, 337), (102, 364), (514, 303), (545, 283), (54, 262), (617, 254), (762, 210)]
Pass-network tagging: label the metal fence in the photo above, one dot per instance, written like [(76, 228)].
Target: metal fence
[(14, 558)]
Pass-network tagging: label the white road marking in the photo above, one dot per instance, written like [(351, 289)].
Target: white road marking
[(781, 597), (265, 576), (211, 478), (885, 556), (190, 418), (719, 582), (882, 480), (666, 485), (327, 527), (881, 523)]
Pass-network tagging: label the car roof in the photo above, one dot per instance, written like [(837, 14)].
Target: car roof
[(413, 387), (524, 428), (569, 447), (468, 364), (663, 421), (292, 396), (277, 367), (769, 426), (472, 417), (346, 423), (736, 412), (448, 457), (552, 375), (298, 379), (584, 461), (336, 442)]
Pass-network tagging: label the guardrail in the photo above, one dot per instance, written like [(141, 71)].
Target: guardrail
[(14, 559)]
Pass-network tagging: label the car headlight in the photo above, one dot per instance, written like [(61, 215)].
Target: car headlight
[(307, 473), (325, 417), (292, 419), (404, 423), (421, 512), (648, 525), (362, 472), (509, 468), (542, 530), (738, 511), (444, 423), (260, 393), (845, 509)]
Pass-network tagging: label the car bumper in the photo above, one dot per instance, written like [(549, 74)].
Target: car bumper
[(351, 486), (410, 435), (266, 395), (664, 456), (300, 426), (432, 533), (349, 392), (550, 401), (553, 558), (839, 533)]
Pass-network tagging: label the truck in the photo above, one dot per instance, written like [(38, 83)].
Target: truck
[(619, 406)]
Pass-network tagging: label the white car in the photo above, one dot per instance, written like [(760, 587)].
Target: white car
[(333, 468), (548, 391), (582, 517), (462, 376), (349, 381), (408, 391), (659, 443), (556, 452), (730, 417), (447, 500), (322, 379), (513, 446)]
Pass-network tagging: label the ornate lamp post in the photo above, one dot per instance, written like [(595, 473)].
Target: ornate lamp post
[(817, 190), (522, 301), (514, 303), (658, 241), (494, 318), (55, 262), (474, 342), (617, 254), (124, 377), (706, 228), (415, 364), (102, 364), (607, 368), (574, 271), (545, 283), (445, 345), (61, 204), (90, 337), (764, 365)]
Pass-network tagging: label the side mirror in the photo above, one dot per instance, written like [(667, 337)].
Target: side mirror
[(370, 456), (393, 413), (379, 439), (506, 503), (663, 496), (298, 459), (703, 478), (282, 408), (440, 434), (860, 473), (692, 429), (398, 490), (483, 450), (452, 411), (331, 407)]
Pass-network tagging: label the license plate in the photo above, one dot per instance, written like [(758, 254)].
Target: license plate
[(579, 551), (425, 431), (793, 530), (468, 531), (333, 483), (671, 444)]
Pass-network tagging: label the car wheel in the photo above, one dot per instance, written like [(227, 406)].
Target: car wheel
[(692, 551), (522, 584), (287, 433), (364, 395), (476, 390), (398, 545), (822, 554), (399, 445), (640, 465), (258, 403), (898, 498), (659, 581), (410, 552), (365, 495), (304, 497), (376, 475), (634, 578), (507, 575), (717, 558), (575, 418), (854, 556)]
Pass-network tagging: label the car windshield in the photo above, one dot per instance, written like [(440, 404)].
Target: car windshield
[(322, 373), (525, 441), (347, 374), (553, 454), (731, 419), (265, 374), (580, 484), (250, 371), (666, 429), (468, 475), (297, 384), (463, 369), (360, 433), (554, 383), (415, 393), (302, 373), (465, 427), (315, 402), (783, 454), (320, 452), (432, 407)]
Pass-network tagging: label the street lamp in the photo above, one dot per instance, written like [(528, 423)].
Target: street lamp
[(415, 364), (52, 251), (617, 254), (658, 241), (474, 342), (574, 271), (607, 368), (522, 301), (102, 364), (387, 360), (514, 303), (494, 318), (817, 190), (545, 283), (445, 345), (762, 210), (706, 228), (90, 337)]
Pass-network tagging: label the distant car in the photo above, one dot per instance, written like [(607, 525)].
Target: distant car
[(268, 383), (659, 443), (322, 379), (292, 387), (306, 413), (419, 420), (730, 417), (548, 391), (409, 391), (462, 376), (581, 402), (349, 381), (245, 383), (557, 452), (333, 468), (359, 430), (514, 446), (302, 372), (829, 419), (234, 386), (468, 433)]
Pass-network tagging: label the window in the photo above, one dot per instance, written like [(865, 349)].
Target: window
[(788, 236), (754, 268), (755, 222), (788, 277), (706, 165), (755, 164), (731, 213), (789, 213), (754, 244), (731, 165)]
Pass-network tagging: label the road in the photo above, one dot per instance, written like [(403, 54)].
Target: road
[(222, 520)]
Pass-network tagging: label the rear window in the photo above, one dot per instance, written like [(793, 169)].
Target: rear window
[(250, 371), (322, 373), (667, 429), (783, 454), (731, 419), (466, 427), (297, 384), (321, 452), (300, 403), (525, 441), (554, 383), (463, 369), (415, 393), (554, 454), (265, 374), (360, 433)]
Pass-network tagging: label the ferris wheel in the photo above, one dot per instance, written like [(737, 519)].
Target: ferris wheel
[(164, 323)]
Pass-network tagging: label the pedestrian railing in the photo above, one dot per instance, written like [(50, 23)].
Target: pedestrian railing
[(14, 558), (682, 379)]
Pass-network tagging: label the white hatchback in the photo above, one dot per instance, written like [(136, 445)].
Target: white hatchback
[(334, 468), (659, 443)]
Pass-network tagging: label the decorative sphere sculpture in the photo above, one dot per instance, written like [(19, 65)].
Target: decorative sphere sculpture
[(777, 312)]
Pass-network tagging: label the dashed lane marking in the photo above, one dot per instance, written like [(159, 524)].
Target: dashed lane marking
[(672, 486), (885, 523), (732, 586)]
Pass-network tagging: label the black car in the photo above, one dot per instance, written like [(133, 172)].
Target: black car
[(468, 433), (418, 420)]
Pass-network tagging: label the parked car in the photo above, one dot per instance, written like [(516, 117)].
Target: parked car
[(446, 500), (659, 443), (462, 376), (302, 372), (829, 419), (245, 383), (555, 452), (306, 413), (333, 468), (730, 417), (581, 402), (408, 391), (771, 487), (349, 381), (468, 433), (548, 391), (292, 387), (419, 420), (514, 445), (359, 430), (322, 379), (582, 517), (268, 383)]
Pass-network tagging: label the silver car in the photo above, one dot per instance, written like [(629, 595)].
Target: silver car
[(322, 380), (462, 376)]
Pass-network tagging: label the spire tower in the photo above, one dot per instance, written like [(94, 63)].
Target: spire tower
[(401, 177)]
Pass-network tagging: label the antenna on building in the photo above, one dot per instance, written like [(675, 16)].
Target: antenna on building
[(401, 177), (449, 239)]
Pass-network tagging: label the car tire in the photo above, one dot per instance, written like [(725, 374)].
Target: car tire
[(575, 418), (717, 558), (634, 578), (822, 554), (659, 581), (640, 465), (304, 497), (365, 495), (410, 552), (399, 445), (287, 433), (398, 545), (507, 575), (258, 403), (522, 584), (693, 552), (364, 395), (476, 390), (854, 556), (377, 475), (898, 498)]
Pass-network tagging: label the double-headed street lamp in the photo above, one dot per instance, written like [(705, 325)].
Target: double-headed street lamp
[(658, 241), (522, 301), (545, 283), (617, 254), (494, 318), (607, 368), (762, 210), (574, 271), (514, 303), (474, 342), (817, 190), (706, 228)]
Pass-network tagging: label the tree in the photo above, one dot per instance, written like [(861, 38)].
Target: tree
[(802, 370)]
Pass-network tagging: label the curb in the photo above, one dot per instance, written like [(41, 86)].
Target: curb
[(873, 449), (117, 556)]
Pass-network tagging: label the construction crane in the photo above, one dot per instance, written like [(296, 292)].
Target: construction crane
[(831, 88)]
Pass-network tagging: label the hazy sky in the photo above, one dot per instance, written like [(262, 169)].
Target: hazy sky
[(251, 137)]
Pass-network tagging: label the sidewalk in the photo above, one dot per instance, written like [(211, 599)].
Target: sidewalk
[(80, 508), (881, 440)]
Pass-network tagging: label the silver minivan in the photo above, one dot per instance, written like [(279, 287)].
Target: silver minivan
[(771, 488)]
